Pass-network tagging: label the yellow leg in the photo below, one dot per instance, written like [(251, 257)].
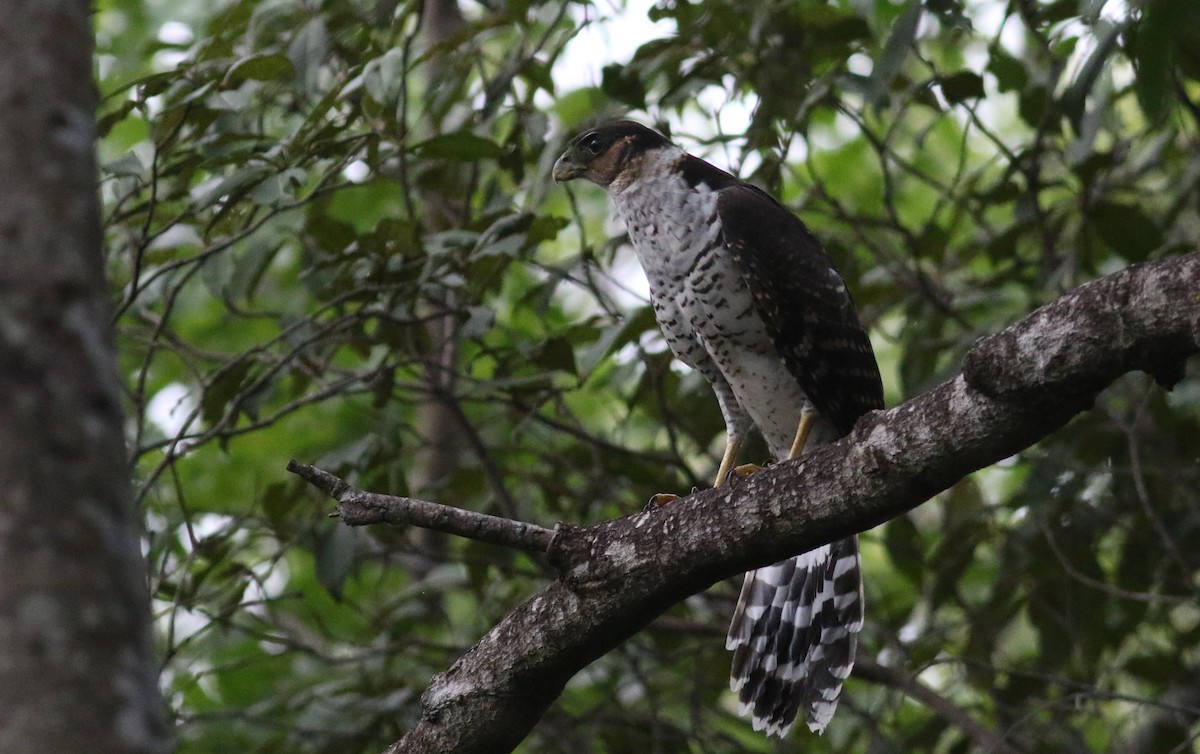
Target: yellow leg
[(731, 450), (802, 432)]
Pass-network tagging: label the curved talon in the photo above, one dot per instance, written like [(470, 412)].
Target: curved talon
[(659, 500), (743, 471)]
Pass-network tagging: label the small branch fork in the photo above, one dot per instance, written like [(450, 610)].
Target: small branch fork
[(615, 577)]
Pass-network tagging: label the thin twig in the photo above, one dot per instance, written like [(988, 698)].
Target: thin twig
[(358, 508), (987, 740)]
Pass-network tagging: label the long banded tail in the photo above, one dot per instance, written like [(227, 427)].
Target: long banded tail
[(793, 636)]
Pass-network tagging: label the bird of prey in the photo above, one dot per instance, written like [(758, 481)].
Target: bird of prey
[(745, 295)]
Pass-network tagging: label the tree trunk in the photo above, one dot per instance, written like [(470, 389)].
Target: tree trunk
[(77, 671)]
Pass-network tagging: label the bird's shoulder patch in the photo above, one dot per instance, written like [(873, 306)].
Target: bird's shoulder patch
[(696, 171), (751, 206)]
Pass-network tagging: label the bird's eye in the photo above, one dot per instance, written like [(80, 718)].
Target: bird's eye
[(591, 143)]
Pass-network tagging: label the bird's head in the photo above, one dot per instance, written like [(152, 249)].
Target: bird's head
[(603, 154)]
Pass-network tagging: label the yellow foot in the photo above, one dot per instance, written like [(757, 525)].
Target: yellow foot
[(741, 472), (746, 469)]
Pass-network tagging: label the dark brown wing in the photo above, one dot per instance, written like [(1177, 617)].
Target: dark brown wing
[(804, 303)]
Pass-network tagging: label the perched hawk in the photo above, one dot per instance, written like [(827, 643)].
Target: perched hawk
[(746, 295)]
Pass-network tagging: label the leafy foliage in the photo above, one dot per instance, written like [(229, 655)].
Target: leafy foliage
[(331, 236)]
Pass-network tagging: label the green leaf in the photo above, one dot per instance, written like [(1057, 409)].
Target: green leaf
[(1033, 105), (1156, 668), (111, 118), (545, 228), (1075, 97), (330, 234), (234, 184), (364, 205), (905, 548), (1009, 71), (479, 320), (623, 85), (278, 500), (460, 146), (307, 50), (1059, 10), (1126, 229), (278, 188), (961, 86), (127, 165), (265, 67), (538, 73), (249, 267), (384, 77), (335, 558), (900, 41), (932, 242), (577, 106), (1154, 42), (222, 390), (964, 526), (615, 336), (555, 354)]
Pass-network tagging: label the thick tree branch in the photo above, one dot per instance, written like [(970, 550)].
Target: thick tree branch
[(1017, 387)]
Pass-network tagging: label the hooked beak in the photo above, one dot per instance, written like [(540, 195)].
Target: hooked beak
[(566, 168)]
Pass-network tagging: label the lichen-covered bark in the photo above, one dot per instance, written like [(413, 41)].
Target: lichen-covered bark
[(1019, 386), (77, 672)]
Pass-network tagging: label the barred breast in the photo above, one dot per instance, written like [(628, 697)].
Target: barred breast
[(704, 307)]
